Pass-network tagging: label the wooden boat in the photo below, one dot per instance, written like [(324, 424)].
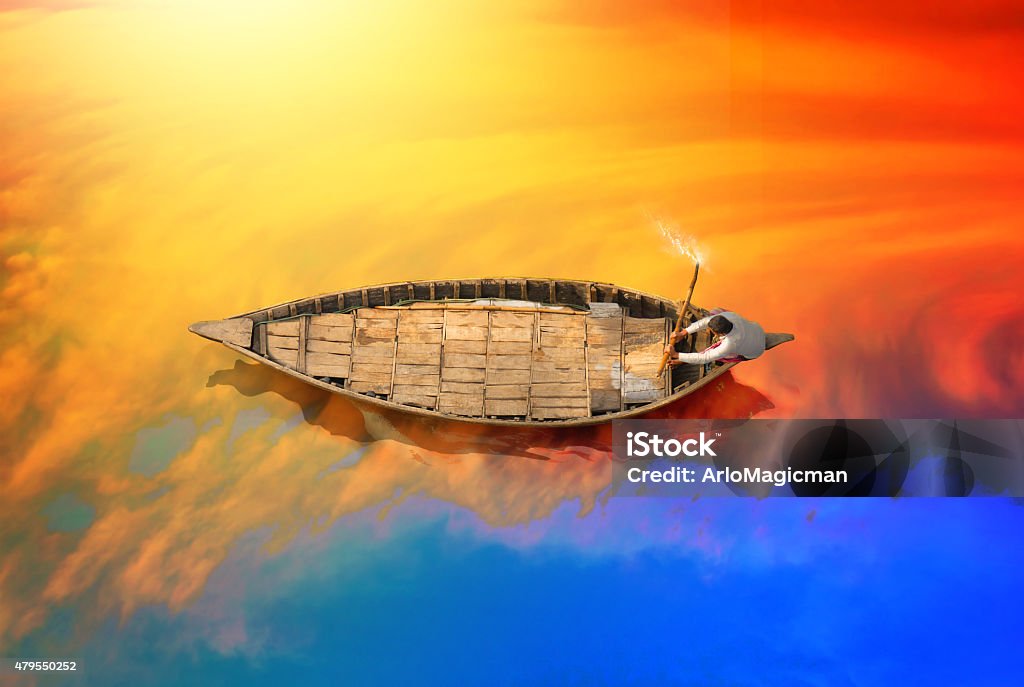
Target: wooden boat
[(505, 351)]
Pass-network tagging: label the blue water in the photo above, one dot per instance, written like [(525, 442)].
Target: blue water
[(639, 592)]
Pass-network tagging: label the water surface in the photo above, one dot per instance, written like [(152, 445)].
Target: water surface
[(170, 514)]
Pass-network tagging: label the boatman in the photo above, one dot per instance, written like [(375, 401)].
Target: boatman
[(734, 340)]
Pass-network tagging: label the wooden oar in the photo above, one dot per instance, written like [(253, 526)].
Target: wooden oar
[(682, 317)]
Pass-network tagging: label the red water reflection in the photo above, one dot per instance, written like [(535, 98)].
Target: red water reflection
[(725, 398)]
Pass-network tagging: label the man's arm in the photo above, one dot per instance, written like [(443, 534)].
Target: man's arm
[(698, 325), (723, 349), (692, 329)]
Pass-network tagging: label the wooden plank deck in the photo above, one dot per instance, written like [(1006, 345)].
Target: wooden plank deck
[(463, 366), (373, 351), (479, 362), (558, 384), (643, 342), (417, 373)]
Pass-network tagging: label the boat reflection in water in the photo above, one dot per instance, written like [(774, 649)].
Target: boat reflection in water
[(541, 465)]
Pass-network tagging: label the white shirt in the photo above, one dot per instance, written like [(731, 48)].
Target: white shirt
[(745, 339)]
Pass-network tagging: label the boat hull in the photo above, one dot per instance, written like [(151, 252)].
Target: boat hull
[(506, 351)]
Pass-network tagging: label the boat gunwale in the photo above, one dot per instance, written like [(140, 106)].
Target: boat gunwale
[(673, 305)]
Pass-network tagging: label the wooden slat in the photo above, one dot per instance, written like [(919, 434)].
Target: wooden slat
[(643, 324), (334, 319), (377, 349), (325, 333), (420, 336), (578, 404), (463, 333), (494, 376), (444, 329), (534, 343), (507, 408), (605, 310), (643, 344), (463, 374), (622, 355), (411, 369), (645, 396), (376, 386), (549, 340), (419, 348), (465, 360), (334, 371), (426, 389), (604, 378), (467, 318), (508, 362), (507, 391), (317, 358), (666, 372), (425, 316), (300, 362), (419, 366), (559, 390), (319, 346), (559, 356), (286, 328), (542, 413), (512, 334), (605, 399), (289, 342), (461, 404), (361, 370), (418, 358), (500, 320), (610, 340), (283, 356), (450, 387), (261, 338), (410, 322), (328, 364), (367, 331), (401, 395), (604, 361), (236, 330), (457, 346), (417, 380), (562, 323), (636, 341), (378, 313), (586, 367), (604, 324), (522, 348)]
